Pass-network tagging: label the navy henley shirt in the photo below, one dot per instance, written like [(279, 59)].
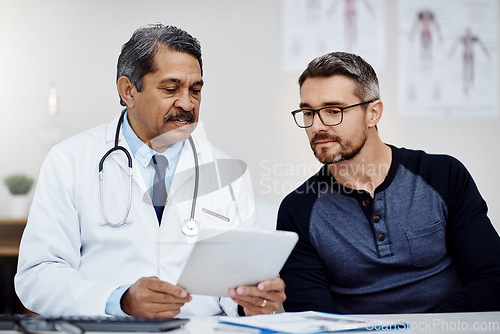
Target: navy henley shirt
[(423, 243)]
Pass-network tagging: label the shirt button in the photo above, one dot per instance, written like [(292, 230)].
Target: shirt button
[(366, 202), (376, 219), (381, 237)]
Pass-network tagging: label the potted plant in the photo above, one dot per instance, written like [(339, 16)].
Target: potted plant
[(19, 186)]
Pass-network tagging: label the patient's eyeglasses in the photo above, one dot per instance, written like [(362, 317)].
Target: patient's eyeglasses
[(329, 116)]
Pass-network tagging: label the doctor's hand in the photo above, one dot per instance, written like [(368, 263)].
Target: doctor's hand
[(263, 298), (152, 298)]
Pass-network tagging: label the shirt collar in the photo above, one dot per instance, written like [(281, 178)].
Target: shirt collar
[(142, 152)]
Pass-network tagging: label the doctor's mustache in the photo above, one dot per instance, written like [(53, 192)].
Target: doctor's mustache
[(180, 114)]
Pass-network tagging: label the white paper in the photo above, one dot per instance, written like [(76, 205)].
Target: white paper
[(307, 322)]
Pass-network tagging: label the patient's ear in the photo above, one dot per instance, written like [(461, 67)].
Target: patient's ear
[(374, 113), (127, 90)]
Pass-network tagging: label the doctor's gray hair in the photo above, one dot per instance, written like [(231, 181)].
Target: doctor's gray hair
[(137, 56), (349, 65)]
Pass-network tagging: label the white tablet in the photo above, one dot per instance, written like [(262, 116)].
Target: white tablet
[(224, 259)]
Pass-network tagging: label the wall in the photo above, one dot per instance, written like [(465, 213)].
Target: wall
[(246, 101)]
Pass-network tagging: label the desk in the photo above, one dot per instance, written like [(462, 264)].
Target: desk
[(11, 230), (439, 323)]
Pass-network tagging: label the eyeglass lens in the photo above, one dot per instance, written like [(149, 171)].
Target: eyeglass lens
[(329, 116)]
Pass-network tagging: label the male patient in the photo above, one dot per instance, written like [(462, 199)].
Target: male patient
[(79, 256), (381, 229)]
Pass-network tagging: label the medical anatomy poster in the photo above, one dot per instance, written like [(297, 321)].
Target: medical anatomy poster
[(448, 58), (311, 28)]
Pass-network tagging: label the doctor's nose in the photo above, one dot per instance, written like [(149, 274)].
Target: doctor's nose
[(184, 102)]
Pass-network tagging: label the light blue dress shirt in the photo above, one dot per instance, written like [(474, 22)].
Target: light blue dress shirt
[(142, 154)]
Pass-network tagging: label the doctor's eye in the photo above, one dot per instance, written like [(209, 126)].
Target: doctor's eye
[(170, 90), (196, 91)]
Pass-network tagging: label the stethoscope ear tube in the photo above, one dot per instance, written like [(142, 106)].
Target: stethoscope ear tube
[(101, 181), (129, 204), (196, 177), (191, 227), (116, 148)]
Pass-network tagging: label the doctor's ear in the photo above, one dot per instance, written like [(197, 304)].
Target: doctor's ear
[(126, 89)]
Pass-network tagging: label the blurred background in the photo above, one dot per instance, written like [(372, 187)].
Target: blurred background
[(58, 65)]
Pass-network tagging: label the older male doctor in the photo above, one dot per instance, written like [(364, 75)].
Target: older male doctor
[(86, 250)]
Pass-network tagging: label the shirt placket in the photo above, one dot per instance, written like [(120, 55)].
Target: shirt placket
[(377, 218)]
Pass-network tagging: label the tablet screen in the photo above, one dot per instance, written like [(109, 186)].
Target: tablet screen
[(225, 259)]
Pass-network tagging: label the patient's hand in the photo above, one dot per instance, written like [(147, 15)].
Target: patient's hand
[(152, 298), (263, 298)]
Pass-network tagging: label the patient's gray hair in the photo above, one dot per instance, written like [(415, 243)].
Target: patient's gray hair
[(349, 65)]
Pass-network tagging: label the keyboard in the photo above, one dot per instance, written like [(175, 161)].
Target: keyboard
[(89, 324)]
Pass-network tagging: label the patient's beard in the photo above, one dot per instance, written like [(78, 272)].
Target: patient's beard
[(347, 151)]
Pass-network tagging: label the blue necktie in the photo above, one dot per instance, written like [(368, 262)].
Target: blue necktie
[(159, 163)]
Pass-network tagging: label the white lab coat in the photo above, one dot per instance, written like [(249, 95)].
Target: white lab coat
[(70, 263)]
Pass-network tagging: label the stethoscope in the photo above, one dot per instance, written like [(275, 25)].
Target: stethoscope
[(189, 227)]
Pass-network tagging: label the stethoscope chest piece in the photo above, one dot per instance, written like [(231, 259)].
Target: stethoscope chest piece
[(190, 227)]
